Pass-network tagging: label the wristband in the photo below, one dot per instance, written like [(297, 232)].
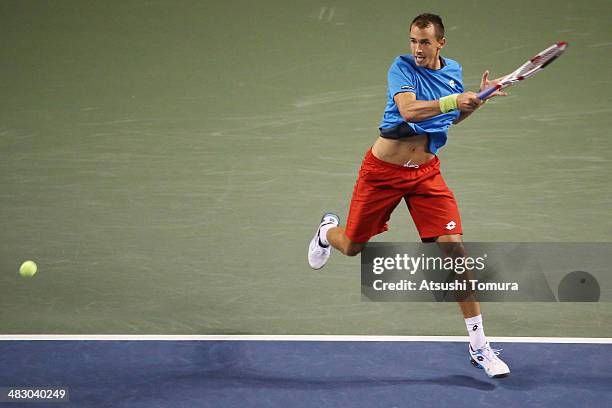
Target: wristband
[(448, 103)]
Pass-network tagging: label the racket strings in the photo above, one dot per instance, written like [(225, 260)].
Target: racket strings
[(539, 61)]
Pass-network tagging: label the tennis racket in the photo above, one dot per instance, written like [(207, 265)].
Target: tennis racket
[(528, 69)]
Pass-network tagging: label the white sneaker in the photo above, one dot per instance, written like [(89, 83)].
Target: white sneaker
[(317, 253), (486, 358)]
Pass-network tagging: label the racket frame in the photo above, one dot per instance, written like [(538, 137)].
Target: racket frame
[(528, 69)]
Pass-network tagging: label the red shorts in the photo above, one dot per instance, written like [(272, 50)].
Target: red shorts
[(381, 186)]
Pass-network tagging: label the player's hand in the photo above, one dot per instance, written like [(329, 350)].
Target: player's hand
[(485, 83), (468, 102)]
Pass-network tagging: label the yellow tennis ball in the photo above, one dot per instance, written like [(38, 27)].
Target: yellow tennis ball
[(28, 269)]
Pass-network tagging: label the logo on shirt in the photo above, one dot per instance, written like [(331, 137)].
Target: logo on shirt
[(452, 83), (407, 87), (451, 225)]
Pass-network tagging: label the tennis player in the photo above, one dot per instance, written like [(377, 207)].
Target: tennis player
[(425, 97)]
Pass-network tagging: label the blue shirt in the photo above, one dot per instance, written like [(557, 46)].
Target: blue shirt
[(428, 84)]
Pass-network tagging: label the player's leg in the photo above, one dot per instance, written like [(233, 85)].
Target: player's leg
[(328, 235), (436, 215), (367, 217), (451, 246), (481, 353)]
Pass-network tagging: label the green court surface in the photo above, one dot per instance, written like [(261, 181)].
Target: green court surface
[(166, 163)]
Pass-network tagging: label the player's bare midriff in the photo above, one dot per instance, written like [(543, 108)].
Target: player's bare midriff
[(405, 152)]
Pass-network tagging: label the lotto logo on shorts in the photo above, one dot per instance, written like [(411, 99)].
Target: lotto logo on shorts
[(451, 225)]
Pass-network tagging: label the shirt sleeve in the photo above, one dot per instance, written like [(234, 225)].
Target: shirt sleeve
[(400, 79)]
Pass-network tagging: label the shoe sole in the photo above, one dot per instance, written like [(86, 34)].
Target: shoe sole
[(477, 365), (312, 267), (311, 241)]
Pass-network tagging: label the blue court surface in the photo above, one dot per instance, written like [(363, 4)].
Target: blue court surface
[(230, 373)]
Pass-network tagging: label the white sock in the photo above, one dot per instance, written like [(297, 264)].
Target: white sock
[(476, 332), (323, 233)]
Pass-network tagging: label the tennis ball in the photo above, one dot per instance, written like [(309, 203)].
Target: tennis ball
[(28, 269)]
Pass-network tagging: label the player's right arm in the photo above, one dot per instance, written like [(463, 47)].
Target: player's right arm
[(413, 110)]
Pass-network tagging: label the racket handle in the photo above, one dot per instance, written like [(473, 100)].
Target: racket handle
[(485, 94)]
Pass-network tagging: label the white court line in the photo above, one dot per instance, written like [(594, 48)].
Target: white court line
[(331, 14), (605, 44), (115, 337), (323, 9)]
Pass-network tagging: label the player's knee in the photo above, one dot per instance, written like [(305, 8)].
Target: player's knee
[(353, 249), (449, 238), (452, 245)]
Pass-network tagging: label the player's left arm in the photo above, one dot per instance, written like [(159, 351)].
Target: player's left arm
[(484, 84)]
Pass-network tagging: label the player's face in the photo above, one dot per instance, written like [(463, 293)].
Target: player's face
[(425, 46)]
